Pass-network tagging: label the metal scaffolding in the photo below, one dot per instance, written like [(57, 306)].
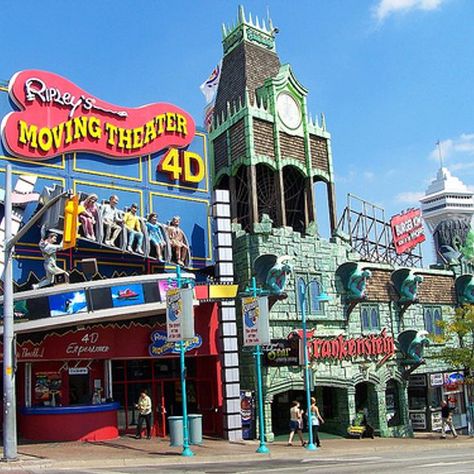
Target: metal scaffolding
[(364, 227)]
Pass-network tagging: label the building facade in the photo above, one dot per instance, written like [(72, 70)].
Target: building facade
[(270, 155), (87, 348)]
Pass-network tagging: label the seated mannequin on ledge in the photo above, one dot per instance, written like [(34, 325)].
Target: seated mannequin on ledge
[(49, 247), (178, 242), (134, 230), (88, 215), (156, 235), (112, 221)]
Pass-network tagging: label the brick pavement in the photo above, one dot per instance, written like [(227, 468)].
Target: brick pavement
[(127, 451)]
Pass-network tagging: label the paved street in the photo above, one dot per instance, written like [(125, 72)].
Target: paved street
[(443, 461), (426, 454)]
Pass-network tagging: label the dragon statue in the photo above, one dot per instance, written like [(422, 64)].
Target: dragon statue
[(406, 282), (354, 280), (464, 287), (272, 272), (411, 344)]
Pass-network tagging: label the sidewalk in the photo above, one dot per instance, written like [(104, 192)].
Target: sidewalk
[(127, 451)]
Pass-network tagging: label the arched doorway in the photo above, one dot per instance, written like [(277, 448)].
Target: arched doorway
[(281, 409), (366, 401)]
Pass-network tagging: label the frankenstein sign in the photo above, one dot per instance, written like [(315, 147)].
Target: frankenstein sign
[(375, 345)]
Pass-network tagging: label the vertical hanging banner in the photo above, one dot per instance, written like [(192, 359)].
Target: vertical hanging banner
[(255, 321), (179, 314)]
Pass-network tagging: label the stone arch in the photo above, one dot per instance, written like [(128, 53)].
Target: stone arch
[(278, 402), (267, 197), (296, 199), (242, 203)]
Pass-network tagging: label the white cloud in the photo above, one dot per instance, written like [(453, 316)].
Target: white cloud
[(385, 8), (409, 197), (455, 150), (369, 175)]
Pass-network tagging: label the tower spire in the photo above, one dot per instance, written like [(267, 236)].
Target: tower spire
[(440, 154)]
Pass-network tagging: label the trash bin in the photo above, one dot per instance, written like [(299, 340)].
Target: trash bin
[(175, 424), (195, 429)]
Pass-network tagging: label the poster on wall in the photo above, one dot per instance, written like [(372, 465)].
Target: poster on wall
[(68, 303), (47, 388), (255, 321), (127, 295), (418, 420)]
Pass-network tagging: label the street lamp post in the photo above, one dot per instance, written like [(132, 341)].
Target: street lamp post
[(186, 449), (302, 289), (262, 449)]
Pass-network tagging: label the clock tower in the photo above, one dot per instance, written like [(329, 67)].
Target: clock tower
[(267, 150)]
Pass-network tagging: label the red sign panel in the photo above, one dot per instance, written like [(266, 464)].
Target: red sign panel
[(56, 116), (341, 348), (126, 339), (407, 230)]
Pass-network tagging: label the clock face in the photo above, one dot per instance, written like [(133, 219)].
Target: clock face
[(288, 110)]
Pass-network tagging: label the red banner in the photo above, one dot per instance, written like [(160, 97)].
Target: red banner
[(407, 230), (121, 339), (56, 116)]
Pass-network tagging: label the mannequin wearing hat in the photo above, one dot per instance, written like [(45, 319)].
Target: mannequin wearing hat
[(49, 246)]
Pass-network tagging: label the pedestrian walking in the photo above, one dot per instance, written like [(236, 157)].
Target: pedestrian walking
[(316, 419), (144, 414), (296, 423), (447, 419)]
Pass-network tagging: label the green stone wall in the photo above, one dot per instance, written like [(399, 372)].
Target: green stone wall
[(320, 258)]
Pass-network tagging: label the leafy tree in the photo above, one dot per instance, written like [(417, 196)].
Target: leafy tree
[(467, 249), (460, 331)]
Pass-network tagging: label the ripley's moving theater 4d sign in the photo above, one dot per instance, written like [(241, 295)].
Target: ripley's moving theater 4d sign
[(138, 177), (58, 117)]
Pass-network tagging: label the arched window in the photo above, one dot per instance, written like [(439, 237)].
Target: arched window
[(432, 316), (314, 293), (301, 289), (369, 317)]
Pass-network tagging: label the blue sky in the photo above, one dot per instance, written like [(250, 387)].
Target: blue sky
[(391, 76)]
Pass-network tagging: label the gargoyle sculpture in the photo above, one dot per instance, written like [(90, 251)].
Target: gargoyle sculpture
[(406, 283), (411, 344), (464, 286), (272, 272), (354, 279)]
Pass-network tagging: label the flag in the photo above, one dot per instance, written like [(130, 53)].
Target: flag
[(208, 116), (209, 86)]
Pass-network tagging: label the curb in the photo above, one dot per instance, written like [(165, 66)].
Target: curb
[(276, 452)]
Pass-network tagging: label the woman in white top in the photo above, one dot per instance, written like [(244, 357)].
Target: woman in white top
[(296, 422), (316, 419)]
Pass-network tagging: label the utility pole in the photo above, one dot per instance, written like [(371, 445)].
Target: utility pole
[(9, 349), (9, 346)]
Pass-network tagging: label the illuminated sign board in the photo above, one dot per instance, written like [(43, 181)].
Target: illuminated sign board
[(55, 116), (407, 230), (341, 348)]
